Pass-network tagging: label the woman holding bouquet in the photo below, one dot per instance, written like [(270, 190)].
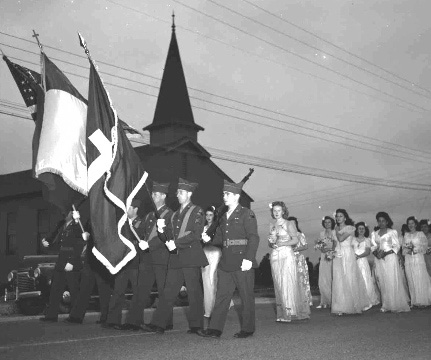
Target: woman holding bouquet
[(326, 244), (385, 246), (415, 245), (425, 228), (282, 239), (362, 247), (349, 294)]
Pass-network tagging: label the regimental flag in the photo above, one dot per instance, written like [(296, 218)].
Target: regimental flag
[(115, 175), (28, 82)]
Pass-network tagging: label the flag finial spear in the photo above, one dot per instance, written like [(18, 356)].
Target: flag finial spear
[(2, 53), (173, 21), (35, 35), (83, 44)]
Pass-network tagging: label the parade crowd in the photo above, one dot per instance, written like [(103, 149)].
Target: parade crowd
[(213, 254)]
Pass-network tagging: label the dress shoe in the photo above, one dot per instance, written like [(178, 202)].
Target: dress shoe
[(46, 319), (209, 333), (193, 330), (107, 325), (72, 320), (153, 329), (242, 334)]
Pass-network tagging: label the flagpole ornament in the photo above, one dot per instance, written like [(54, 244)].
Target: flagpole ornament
[(83, 44), (36, 36)]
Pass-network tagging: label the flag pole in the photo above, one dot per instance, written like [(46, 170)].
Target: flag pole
[(79, 220)]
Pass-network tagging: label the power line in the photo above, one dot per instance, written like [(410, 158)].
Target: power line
[(336, 46), (301, 57)]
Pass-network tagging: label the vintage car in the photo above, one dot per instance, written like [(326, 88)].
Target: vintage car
[(30, 284)]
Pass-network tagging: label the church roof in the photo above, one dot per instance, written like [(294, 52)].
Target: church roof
[(173, 103)]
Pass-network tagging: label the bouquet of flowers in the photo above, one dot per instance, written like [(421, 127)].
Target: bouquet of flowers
[(410, 247), (320, 244), (329, 255), (272, 238), (428, 252)]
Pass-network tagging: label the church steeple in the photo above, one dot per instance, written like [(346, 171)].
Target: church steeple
[(173, 118)]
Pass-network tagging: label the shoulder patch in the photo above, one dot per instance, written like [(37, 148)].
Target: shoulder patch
[(252, 215)]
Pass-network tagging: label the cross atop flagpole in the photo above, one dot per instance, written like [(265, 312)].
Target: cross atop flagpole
[(35, 35)]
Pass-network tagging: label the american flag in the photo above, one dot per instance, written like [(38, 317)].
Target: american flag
[(27, 80)]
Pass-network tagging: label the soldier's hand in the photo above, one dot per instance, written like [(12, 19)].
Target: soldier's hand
[(205, 237), (85, 235), (143, 245), (68, 267), (246, 265), (171, 245), (76, 216), (45, 243)]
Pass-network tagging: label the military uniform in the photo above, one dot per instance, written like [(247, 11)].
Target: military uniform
[(130, 272), (186, 226), (69, 238), (239, 239), (154, 267)]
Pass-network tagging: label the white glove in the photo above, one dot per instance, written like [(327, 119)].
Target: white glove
[(160, 225), (171, 245), (45, 243), (205, 237), (68, 267), (143, 245), (85, 235), (246, 265), (75, 215)]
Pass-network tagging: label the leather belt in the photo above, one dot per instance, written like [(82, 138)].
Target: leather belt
[(227, 243)]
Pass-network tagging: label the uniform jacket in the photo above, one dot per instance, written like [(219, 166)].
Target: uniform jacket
[(69, 239), (190, 252), (241, 224), (158, 250)]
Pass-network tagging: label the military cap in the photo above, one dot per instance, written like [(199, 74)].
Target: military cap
[(232, 187), (136, 203), (160, 187), (184, 184)]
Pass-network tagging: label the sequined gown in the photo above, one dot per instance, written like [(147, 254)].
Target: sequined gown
[(303, 276), (291, 304), (349, 294), (389, 276), (418, 280)]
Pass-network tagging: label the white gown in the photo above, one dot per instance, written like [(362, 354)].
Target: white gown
[(325, 271), (418, 280), (388, 273)]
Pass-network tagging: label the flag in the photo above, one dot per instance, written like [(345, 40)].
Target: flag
[(28, 82), (59, 156), (115, 175)]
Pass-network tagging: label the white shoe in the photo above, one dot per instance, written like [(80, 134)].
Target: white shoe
[(319, 307), (368, 307)]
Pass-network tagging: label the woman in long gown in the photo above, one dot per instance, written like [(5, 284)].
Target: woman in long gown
[(328, 238), (415, 245), (349, 294), (282, 239), (385, 246), (209, 272), (425, 228), (362, 247)]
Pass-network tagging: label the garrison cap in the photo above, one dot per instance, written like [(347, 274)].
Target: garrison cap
[(232, 187), (184, 184), (136, 203), (160, 187)]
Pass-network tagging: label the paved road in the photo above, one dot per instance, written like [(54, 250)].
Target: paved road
[(370, 336)]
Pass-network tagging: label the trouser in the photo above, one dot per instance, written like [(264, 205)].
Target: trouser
[(59, 281), (175, 278), (209, 277), (226, 284), (118, 297), (148, 273), (89, 277)]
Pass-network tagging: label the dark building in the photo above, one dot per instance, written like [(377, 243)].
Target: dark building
[(173, 152)]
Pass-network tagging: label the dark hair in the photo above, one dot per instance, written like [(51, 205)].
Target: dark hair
[(367, 229), (332, 222), (404, 229), (212, 209), (424, 222), (416, 223), (292, 218), (385, 216), (348, 221), (283, 208)]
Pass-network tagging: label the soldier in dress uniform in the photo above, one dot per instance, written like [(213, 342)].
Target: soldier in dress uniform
[(185, 229), (155, 266), (69, 264), (238, 236), (130, 272)]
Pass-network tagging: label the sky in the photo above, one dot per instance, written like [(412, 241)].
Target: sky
[(334, 87)]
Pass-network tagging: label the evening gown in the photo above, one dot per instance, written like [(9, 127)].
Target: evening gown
[(389, 276), (290, 302), (418, 280), (302, 268), (360, 247), (428, 255), (349, 294), (325, 271)]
